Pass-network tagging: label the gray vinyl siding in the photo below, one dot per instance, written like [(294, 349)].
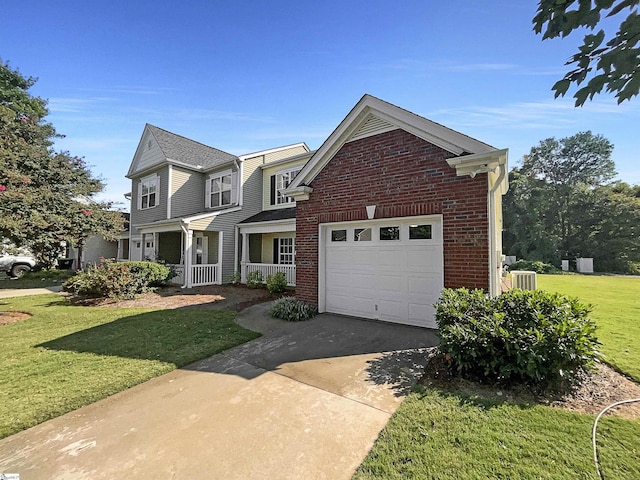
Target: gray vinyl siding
[(187, 192), (279, 155), (252, 189), (213, 246), (148, 156), (156, 213), (252, 186)]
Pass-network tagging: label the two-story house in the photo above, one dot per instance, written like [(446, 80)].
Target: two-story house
[(188, 201), (388, 211)]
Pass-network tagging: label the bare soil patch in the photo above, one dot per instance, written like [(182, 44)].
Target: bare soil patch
[(210, 297), (9, 317), (597, 391)]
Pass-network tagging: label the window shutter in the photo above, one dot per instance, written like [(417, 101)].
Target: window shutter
[(276, 251), (273, 190), (234, 188), (207, 193), (140, 195), (157, 182)]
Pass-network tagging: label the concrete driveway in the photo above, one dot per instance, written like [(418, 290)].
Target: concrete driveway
[(305, 400)]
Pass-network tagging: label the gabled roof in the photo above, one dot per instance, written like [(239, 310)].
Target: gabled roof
[(180, 150), (372, 116)]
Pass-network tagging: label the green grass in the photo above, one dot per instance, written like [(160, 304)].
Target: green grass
[(65, 356), (438, 434), (41, 279), (616, 310)]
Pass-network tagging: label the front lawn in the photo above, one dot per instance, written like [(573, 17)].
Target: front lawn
[(437, 434), (41, 279), (616, 310), (65, 357), (442, 434)]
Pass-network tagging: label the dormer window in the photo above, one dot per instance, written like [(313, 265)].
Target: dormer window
[(221, 189), (148, 192), (279, 183)]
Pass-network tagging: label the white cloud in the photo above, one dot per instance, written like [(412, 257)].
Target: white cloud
[(528, 115)]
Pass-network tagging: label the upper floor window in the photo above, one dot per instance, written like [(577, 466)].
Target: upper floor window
[(279, 183), (148, 192), (221, 189)]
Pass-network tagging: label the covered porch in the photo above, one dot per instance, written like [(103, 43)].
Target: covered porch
[(194, 255), (268, 246)]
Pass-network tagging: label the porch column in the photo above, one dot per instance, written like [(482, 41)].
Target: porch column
[(245, 257), (220, 250), (188, 246)]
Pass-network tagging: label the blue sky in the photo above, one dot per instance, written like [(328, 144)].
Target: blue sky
[(249, 75)]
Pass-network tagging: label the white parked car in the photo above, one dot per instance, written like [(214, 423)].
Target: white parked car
[(16, 265)]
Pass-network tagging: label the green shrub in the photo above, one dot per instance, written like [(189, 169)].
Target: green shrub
[(293, 310), (276, 283), (236, 278), (534, 266), (533, 337), (254, 279), (119, 280)]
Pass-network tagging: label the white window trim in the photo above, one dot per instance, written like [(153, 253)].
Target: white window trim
[(282, 199), (282, 254), (233, 197), (151, 180)]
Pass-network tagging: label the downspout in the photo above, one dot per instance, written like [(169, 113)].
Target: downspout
[(494, 262), (236, 231), (240, 189)]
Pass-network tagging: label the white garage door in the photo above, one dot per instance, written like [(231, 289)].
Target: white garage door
[(389, 270)]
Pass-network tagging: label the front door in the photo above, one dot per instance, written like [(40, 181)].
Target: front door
[(200, 249)]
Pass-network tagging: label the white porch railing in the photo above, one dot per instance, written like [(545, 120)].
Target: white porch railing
[(209, 274), (270, 269), (179, 278)]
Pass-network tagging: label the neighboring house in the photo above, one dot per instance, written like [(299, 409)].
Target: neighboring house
[(388, 211), (95, 248), (188, 199)]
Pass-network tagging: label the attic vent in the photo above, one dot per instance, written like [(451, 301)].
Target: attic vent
[(149, 145), (372, 126)]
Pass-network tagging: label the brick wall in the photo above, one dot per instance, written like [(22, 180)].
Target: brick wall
[(404, 176)]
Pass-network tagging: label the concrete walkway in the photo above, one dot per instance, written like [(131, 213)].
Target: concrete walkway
[(305, 401), (24, 292)]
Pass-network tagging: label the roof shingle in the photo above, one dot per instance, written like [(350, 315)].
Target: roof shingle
[(184, 150)]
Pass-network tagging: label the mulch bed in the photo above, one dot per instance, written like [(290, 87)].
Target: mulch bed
[(210, 297), (597, 390), (9, 317)]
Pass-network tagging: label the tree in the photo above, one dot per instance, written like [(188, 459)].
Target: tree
[(580, 158), (608, 223), (614, 65), (561, 204), (46, 197), (564, 165)]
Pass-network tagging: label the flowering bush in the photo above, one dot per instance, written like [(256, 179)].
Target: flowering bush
[(119, 280)]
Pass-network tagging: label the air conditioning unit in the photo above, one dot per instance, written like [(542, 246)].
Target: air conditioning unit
[(524, 280)]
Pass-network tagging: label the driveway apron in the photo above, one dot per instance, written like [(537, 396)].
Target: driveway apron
[(305, 400)]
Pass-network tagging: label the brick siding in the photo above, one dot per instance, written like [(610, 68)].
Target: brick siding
[(403, 176)]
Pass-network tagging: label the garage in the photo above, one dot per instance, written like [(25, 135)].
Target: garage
[(388, 269)]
